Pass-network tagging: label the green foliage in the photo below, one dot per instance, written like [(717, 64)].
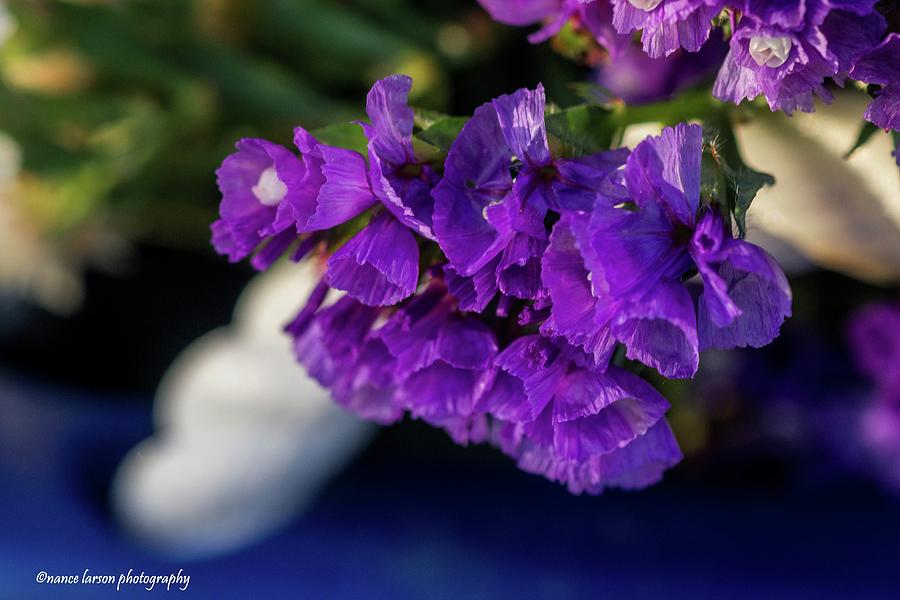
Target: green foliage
[(441, 132), (343, 135), (726, 180), (581, 130), (866, 131)]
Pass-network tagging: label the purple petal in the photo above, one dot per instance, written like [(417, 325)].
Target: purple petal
[(574, 306), (476, 173), (506, 398), (587, 392), (369, 390), (665, 171), (392, 119), (521, 118), (426, 331), (379, 266), (246, 220), (709, 247), (681, 148), (536, 362), (408, 198), (345, 192), (660, 330), (882, 66), (642, 462), (759, 289), (580, 179), (441, 393), (520, 12), (473, 292), (632, 249), (519, 271)]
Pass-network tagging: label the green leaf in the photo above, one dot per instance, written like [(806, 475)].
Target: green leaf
[(427, 153), (726, 178), (865, 134), (694, 104), (581, 130), (343, 135), (745, 184), (442, 132), (424, 118)]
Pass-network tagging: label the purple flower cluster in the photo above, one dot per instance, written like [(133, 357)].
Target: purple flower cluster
[(486, 291), (874, 333), (594, 17), (783, 50)]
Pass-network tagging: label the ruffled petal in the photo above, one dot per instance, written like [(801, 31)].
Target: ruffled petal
[(587, 393), (521, 118), (519, 270), (440, 392), (506, 398), (392, 119), (660, 330), (429, 329), (520, 12), (379, 266), (574, 307), (882, 66), (344, 194), (757, 286), (408, 198), (245, 219), (535, 361), (631, 250), (476, 174), (579, 179), (473, 292)]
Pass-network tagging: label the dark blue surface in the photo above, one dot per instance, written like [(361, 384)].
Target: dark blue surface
[(417, 517)]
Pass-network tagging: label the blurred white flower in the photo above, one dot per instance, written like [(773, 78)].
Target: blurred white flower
[(842, 214), (245, 439)]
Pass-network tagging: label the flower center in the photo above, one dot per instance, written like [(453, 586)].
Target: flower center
[(269, 190), (645, 5), (770, 51)]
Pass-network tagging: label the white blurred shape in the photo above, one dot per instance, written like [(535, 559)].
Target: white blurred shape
[(245, 439), (841, 214)]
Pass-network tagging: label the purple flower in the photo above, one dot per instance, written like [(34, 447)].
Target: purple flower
[(443, 361), (638, 79), (594, 16), (667, 25), (338, 349), (399, 179), (334, 189), (786, 50), (254, 182), (379, 266), (881, 67), (269, 194), (874, 334), (499, 183), (645, 235), (561, 416)]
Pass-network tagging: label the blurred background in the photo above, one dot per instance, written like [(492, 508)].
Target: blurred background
[(151, 417)]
